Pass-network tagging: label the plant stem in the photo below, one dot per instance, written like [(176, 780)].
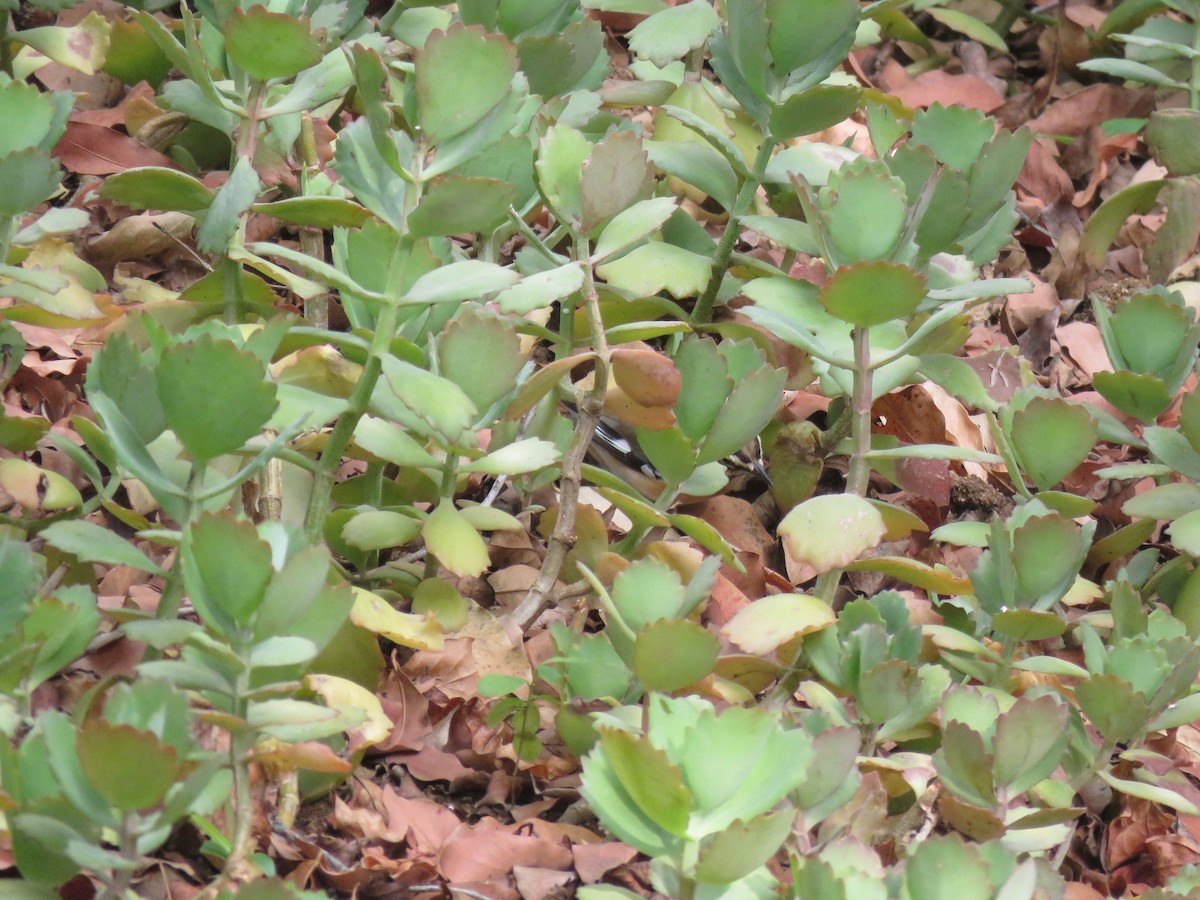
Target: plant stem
[(360, 397), (231, 282), (590, 407), (1194, 81), (247, 142), (702, 313), (343, 430), (860, 409), (1009, 14), (127, 844), (312, 240)]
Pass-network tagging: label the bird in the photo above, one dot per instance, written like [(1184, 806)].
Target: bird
[(615, 449)]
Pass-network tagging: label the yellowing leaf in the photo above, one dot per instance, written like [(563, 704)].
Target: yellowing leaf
[(372, 612), (832, 530), (342, 692), (767, 623)]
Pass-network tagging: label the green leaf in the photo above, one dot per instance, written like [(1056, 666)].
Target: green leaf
[(391, 443), (1131, 70), (36, 488), (630, 225), (1149, 332), (376, 529), (559, 167), (438, 404), (35, 120), (707, 537), (461, 76), (440, 601), (927, 872), (282, 651), (488, 518), (224, 215), (298, 720), (658, 266), (939, 579), (315, 212), (737, 765), (751, 405), (454, 542), (832, 530), (226, 569), (648, 590), (1102, 226), (771, 621), (672, 33), (669, 451), (466, 280), (1162, 796), (863, 209), (803, 33), (969, 26), (455, 204), (296, 589), (742, 847), (620, 811), (1030, 740), (495, 684), (366, 171), (540, 290), (214, 396), (705, 386), (670, 654), (1052, 437), (93, 543), (955, 134), (1164, 501), (1185, 533), (153, 187), (1144, 397), (268, 45), (871, 293), (816, 109), (699, 165), (39, 848), (29, 177), (106, 752), (1046, 552), (557, 64), (649, 777), (481, 353), (518, 458), (1172, 136), (964, 764), (1027, 624), (1113, 707)]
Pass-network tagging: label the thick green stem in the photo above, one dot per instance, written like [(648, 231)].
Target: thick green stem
[(231, 282), (343, 430), (312, 240), (860, 410), (1194, 81), (127, 844), (702, 314), (247, 142), (360, 397), (1009, 14)]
